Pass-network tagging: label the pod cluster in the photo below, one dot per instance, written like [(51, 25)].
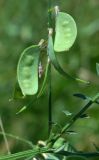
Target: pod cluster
[(27, 69)]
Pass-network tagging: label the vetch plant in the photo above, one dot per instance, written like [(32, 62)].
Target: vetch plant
[(29, 72)]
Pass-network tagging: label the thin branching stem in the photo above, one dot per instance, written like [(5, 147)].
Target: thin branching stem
[(77, 115)]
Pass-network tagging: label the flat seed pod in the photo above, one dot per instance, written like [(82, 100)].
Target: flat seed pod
[(27, 70), (66, 32)]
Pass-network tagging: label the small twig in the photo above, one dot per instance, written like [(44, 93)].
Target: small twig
[(4, 136)]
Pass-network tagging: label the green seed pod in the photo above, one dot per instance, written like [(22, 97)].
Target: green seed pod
[(27, 70), (66, 32)]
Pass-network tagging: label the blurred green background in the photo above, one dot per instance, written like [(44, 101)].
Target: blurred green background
[(24, 22)]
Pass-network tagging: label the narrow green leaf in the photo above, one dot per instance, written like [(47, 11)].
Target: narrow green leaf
[(44, 81), (59, 143), (67, 113), (97, 68), (71, 132), (80, 95), (84, 97), (27, 70), (22, 109), (66, 32), (60, 148), (84, 116), (82, 81), (57, 66)]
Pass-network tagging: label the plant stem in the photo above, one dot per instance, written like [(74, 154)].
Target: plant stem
[(4, 136), (49, 14), (18, 138), (50, 101), (77, 115), (50, 85)]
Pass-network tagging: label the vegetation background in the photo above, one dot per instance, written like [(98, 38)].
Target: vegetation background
[(23, 23)]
